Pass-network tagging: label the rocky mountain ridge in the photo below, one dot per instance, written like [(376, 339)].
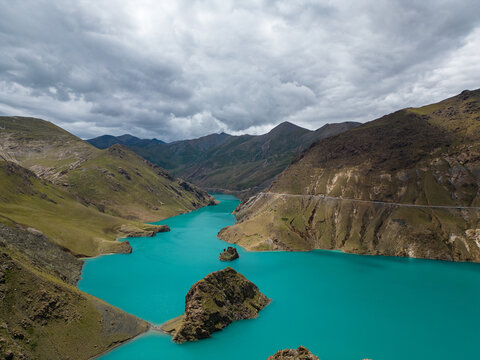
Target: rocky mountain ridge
[(29, 202)]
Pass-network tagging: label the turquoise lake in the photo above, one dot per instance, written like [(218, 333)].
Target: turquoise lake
[(340, 306)]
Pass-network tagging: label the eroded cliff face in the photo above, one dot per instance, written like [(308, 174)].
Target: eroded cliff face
[(213, 303), (405, 185)]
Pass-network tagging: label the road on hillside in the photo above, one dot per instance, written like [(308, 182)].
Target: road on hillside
[(458, 207)]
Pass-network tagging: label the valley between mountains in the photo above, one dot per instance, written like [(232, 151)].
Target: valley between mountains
[(241, 165), (406, 184)]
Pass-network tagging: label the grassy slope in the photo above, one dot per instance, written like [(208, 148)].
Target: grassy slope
[(116, 181), (28, 200), (121, 183), (429, 155), (42, 317)]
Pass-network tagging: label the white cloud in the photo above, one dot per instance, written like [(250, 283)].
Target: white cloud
[(176, 69)]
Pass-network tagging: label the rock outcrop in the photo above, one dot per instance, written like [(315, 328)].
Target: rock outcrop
[(301, 353), (229, 254), (213, 303), (42, 252), (148, 231)]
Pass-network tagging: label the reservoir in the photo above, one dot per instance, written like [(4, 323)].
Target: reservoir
[(339, 306)]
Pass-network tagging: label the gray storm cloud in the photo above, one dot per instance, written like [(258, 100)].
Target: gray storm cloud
[(182, 69)]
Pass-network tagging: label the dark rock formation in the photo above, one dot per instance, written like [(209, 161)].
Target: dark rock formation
[(214, 302), (125, 248), (293, 354), (229, 254)]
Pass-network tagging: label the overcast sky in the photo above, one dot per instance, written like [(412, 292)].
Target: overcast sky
[(183, 69)]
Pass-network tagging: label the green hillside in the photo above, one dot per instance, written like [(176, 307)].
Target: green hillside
[(116, 181), (25, 199)]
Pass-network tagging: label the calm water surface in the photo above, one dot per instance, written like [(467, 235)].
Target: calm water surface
[(340, 306)]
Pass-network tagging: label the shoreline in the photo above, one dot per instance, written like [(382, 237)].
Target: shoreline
[(339, 251), (151, 327)]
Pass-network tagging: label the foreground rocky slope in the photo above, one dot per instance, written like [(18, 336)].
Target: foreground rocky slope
[(42, 314), (241, 164), (213, 303), (350, 191), (116, 181), (293, 354)]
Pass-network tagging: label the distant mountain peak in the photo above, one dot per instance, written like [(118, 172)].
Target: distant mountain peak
[(286, 124), (127, 137), (285, 127), (105, 141)]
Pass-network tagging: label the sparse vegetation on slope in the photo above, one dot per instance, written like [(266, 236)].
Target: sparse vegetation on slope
[(43, 317), (429, 156)]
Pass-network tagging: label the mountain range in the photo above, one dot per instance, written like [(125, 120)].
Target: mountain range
[(231, 163)]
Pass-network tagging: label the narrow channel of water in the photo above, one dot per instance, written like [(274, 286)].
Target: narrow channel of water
[(340, 306)]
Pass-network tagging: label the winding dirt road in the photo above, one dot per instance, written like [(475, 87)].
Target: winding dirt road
[(457, 207)]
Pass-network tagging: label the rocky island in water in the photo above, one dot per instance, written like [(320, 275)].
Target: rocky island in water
[(301, 353), (229, 254), (214, 302)]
